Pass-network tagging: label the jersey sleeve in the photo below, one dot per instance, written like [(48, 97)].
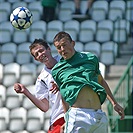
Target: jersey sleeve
[(55, 75), (41, 90), (95, 60)]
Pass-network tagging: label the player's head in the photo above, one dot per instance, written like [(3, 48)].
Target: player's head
[(62, 35), (64, 45), (37, 42), (40, 50)]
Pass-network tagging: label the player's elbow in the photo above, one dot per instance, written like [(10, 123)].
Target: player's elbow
[(44, 109)]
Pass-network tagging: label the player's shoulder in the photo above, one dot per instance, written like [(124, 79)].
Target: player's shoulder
[(89, 54), (44, 73)]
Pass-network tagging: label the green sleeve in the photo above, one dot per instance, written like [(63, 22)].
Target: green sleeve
[(97, 65), (95, 61), (55, 76)]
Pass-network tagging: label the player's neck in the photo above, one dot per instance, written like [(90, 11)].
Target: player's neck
[(51, 63)]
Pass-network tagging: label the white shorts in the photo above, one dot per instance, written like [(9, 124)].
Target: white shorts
[(81, 120)]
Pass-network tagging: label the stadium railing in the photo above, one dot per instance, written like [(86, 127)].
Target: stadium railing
[(123, 94)]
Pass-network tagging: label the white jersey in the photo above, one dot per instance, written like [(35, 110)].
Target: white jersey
[(43, 85)]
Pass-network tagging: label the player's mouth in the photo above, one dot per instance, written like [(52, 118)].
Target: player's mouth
[(64, 54), (43, 58)]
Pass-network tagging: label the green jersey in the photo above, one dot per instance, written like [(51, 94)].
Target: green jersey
[(73, 74)]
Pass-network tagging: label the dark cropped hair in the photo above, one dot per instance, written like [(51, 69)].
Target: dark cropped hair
[(38, 42), (62, 35)]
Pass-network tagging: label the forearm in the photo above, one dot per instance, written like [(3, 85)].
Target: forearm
[(110, 96), (43, 106)]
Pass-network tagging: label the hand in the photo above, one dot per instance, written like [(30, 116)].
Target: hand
[(54, 88), (19, 88), (119, 110)]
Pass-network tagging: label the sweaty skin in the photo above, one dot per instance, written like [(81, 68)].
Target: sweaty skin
[(89, 98)]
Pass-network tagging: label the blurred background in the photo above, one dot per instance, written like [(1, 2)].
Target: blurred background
[(105, 30)]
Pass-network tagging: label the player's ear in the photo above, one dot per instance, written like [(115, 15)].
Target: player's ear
[(34, 58), (73, 43), (48, 48)]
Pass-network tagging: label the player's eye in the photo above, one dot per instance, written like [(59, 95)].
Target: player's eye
[(36, 55)]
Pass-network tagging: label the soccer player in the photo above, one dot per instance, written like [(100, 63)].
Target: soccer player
[(41, 52), (83, 87)]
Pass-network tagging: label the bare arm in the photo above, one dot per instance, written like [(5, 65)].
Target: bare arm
[(111, 98), (43, 104)]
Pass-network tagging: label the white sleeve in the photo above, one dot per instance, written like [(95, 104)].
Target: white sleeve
[(41, 90)]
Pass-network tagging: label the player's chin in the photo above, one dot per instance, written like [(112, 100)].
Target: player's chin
[(44, 60), (64, 56)]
